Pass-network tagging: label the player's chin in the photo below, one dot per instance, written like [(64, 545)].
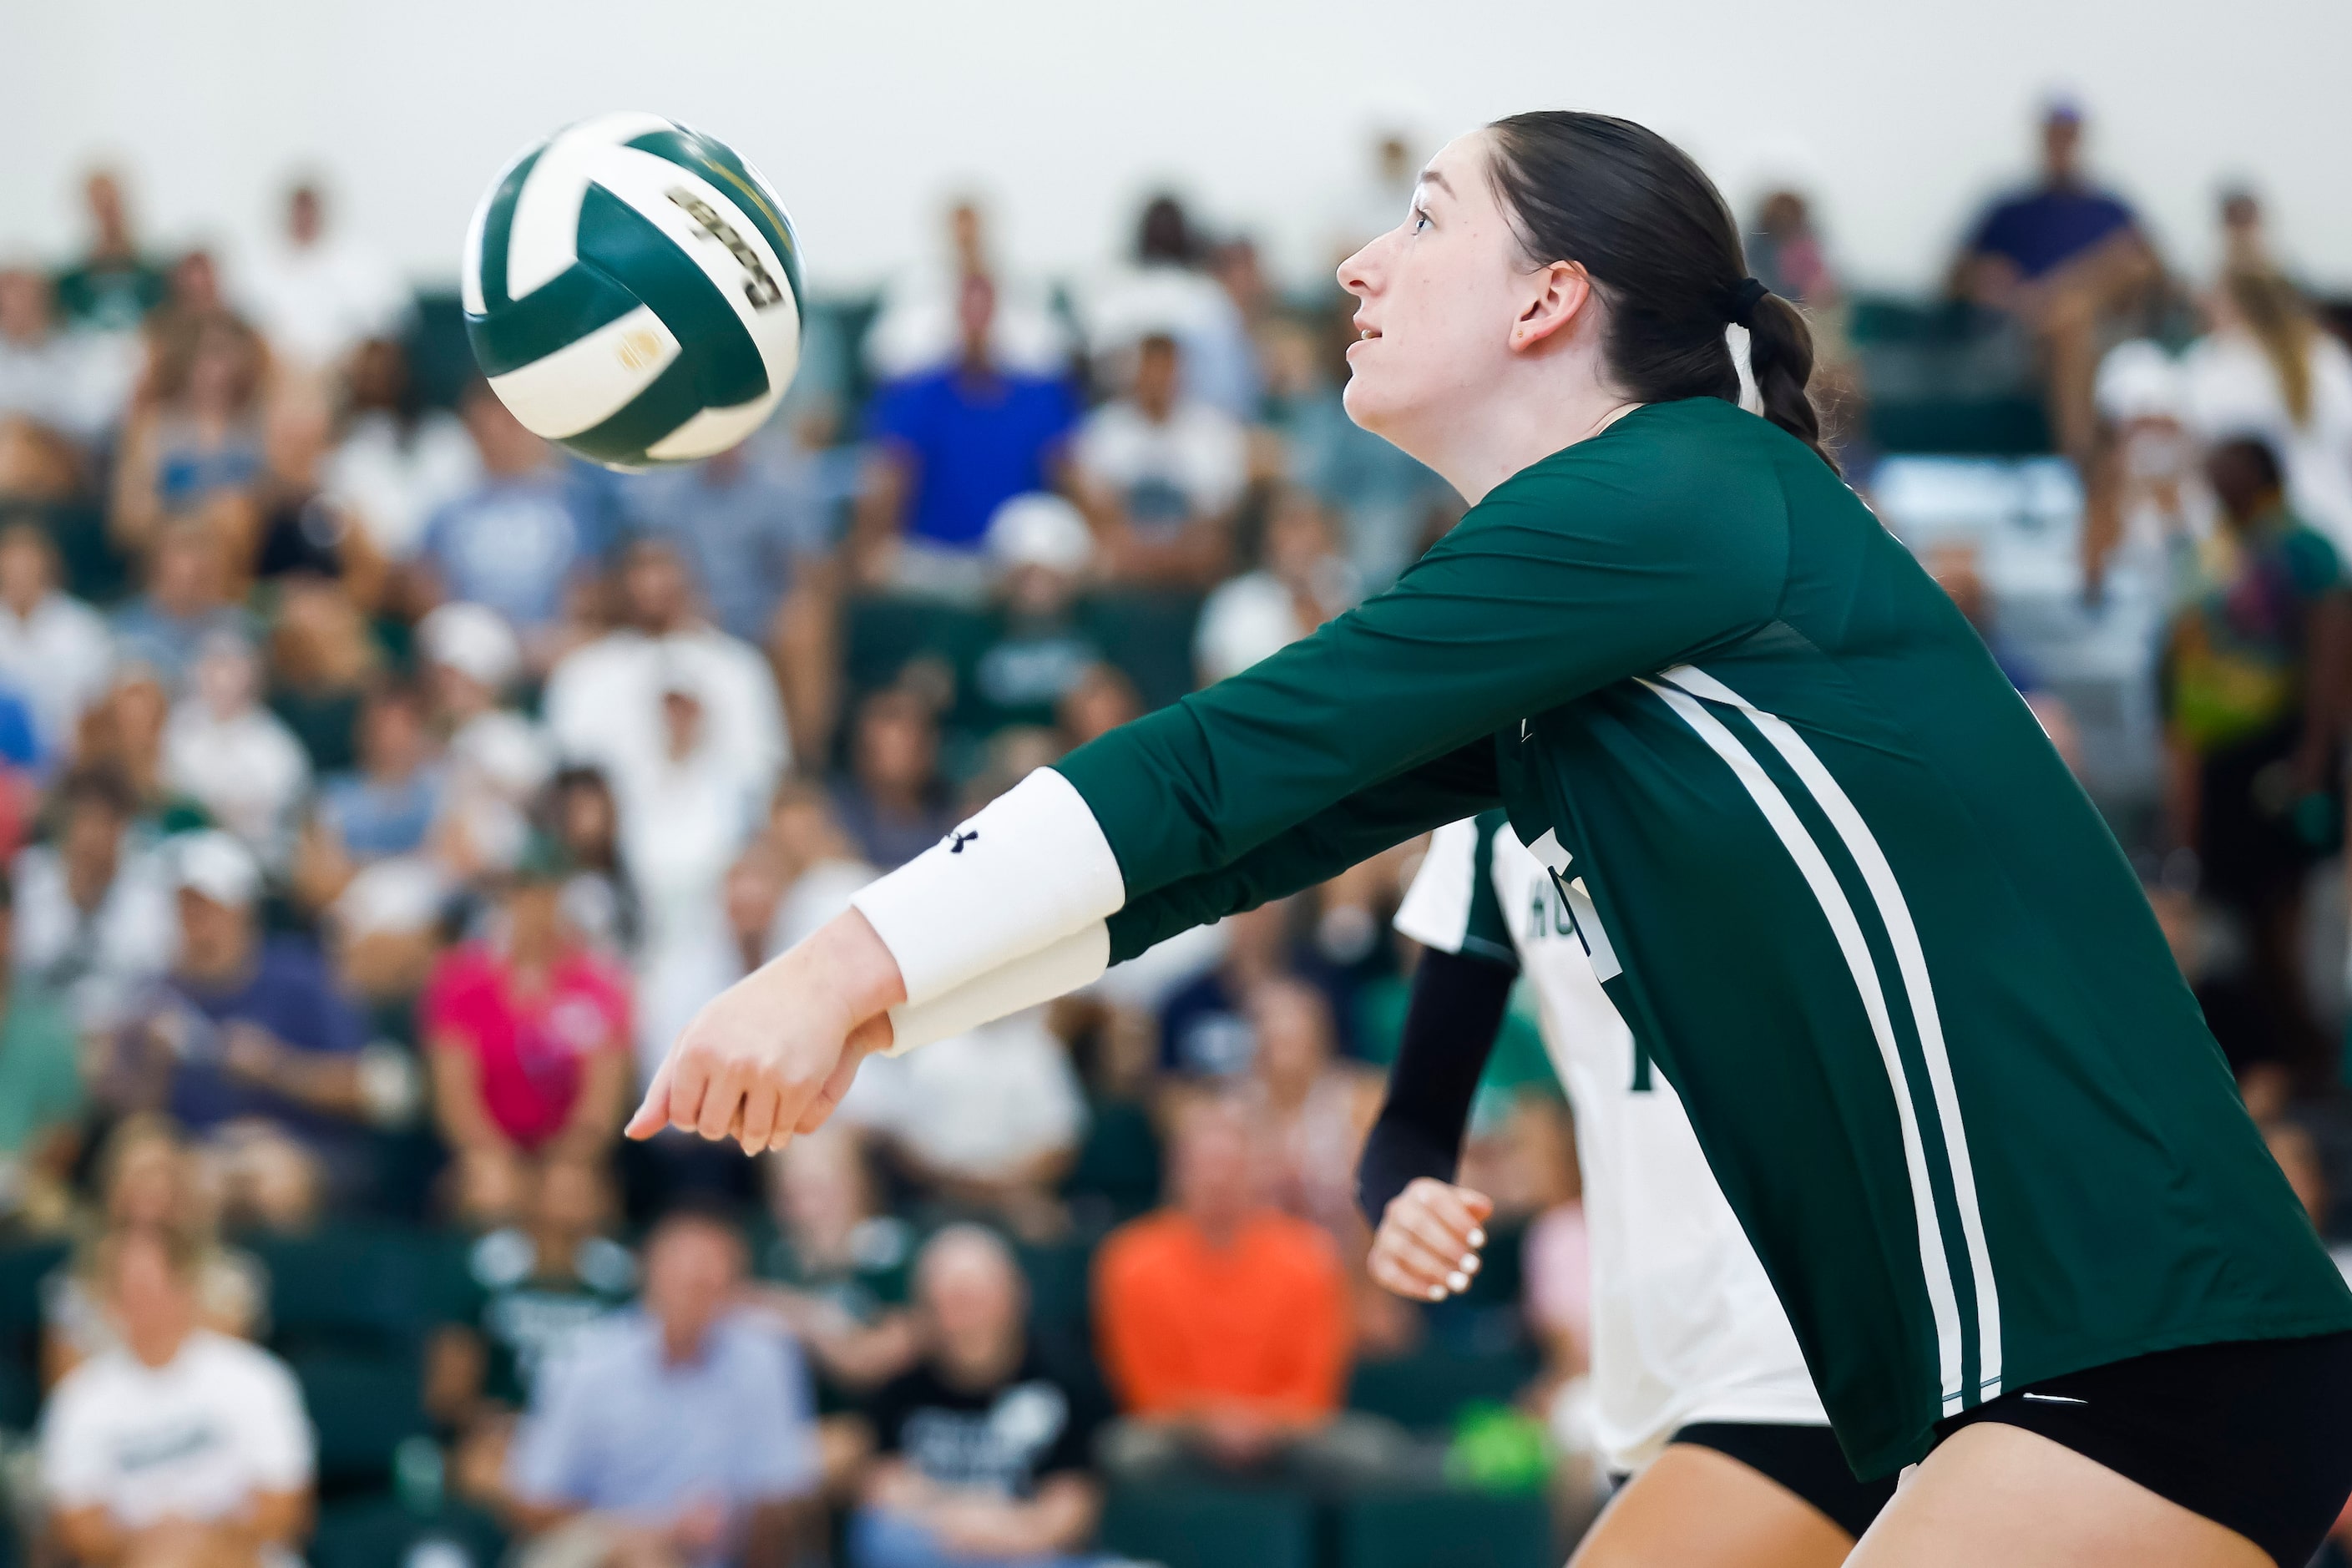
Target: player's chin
[(1367, 397)]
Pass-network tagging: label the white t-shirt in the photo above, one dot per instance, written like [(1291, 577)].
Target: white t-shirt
[(58, 658), (976, 1105), (1193, 464), (604, 702), (392, 480), (196, 1439), (315, 303), (247, 770), (99, 958), (2232, 390), (1685, 1326)]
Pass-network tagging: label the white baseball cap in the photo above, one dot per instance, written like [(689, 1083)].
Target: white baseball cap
[(1039, 528), (473, 640), (216, 865)]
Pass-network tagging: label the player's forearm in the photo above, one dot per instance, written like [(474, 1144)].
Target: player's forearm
[(1451, 1024)]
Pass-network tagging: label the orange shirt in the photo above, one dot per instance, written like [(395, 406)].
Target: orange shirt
[(1183, 1325)]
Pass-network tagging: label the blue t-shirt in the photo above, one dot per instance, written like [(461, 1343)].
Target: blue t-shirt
[(287, 993), (513, 543), (976, 445), (2042, 229), (377, 817)]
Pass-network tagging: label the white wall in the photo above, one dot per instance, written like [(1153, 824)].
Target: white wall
[(1899, 114)]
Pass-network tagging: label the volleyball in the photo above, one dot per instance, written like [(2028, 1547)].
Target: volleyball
[(632, 291)]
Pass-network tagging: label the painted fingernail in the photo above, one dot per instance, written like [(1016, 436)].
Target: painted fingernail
[(1457, 1281), (1469, 1263), (1438, 1292), (1477, 1237)]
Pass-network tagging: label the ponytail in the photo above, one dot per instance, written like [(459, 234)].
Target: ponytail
[(1664, 257), (1780, 358), (2274, 312)]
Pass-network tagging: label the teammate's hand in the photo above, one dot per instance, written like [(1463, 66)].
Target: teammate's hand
[(772, 1054), (1427, 1245)]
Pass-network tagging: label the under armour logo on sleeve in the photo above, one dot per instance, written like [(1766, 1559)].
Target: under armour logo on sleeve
[(959, 838)]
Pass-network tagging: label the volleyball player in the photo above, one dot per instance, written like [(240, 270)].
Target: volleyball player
[(1854, 907), (1700, 1392)]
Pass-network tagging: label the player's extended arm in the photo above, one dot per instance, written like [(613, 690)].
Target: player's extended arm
[(1537, 597)]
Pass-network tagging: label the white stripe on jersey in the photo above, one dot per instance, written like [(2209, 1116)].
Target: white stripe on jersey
[(1823, 882), (1912, 960)]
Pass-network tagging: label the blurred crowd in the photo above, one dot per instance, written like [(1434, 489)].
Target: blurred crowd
[(381, 791)]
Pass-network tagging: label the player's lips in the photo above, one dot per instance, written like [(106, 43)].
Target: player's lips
[(1364, 334)]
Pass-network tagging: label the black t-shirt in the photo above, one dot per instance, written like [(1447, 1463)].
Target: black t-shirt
[(1005, 1438)]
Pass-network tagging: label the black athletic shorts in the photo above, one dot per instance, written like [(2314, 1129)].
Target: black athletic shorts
[(1804, 1459), (2255, 1434)]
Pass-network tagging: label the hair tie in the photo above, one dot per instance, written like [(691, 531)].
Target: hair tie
[(1739, 301)]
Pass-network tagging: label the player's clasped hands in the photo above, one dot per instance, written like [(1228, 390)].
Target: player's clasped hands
[(1427, 1246), (771, 1055)]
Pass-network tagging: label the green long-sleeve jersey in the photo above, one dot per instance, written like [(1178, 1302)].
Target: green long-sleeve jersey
[(1828, 869)]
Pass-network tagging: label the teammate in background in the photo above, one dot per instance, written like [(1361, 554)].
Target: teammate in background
[(1843, 889), (1700, 1389)]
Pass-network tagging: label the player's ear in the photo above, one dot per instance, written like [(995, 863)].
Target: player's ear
[(1557, 295)]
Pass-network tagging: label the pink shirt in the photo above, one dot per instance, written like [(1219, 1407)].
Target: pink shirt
[(528, 1046)]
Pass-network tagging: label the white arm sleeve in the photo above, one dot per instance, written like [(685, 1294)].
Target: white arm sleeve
[(1050, 972), (1032, 867)]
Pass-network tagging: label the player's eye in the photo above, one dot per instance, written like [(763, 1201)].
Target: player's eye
[(1419, 219)]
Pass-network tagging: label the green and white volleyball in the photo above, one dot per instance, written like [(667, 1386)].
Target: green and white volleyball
[(632, 291)]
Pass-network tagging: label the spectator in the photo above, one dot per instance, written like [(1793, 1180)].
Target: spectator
[(1162, 476), (1316, 1110), (815, 864), (186, 602), (498, 761), (915, 329), (318, 296), (64, 383), (395, 462), (184, 1446), (1786, 252), (1101, 701), (53, 648), (893, 805), (388, 808), (984, 1450), (124, 733), (760, 536), (529, 1291), (989, 1120), (253, 1050), (2269, 371), (757, 537), (1223, 1324), (149, 1182), (1301, 582), (1015, 664), (604, 702), (950, 447), (192, 448), (527, 1032), (1167, 290), (231, 755), (686, 816), (303, 533), (600, 901), (323, 661), (2254, 679), (678, 1434), (2062, 257), (113, 286), (522, 539), (837, 1270), (93, 912), (41, 1096)]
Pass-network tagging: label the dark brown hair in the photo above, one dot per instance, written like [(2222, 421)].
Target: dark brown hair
[(1665, 254)]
